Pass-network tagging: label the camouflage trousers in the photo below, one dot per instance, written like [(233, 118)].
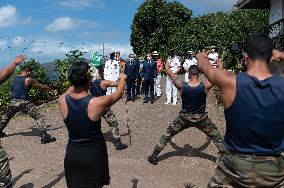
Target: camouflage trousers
[(5, 172), (236, 170), (110, 118), (199, 121), (24, 106)]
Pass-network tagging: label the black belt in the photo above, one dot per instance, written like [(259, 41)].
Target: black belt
[(253, 155)]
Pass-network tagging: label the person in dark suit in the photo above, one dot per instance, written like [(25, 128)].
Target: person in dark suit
[(131, 71), (139, 83), (149, 74)]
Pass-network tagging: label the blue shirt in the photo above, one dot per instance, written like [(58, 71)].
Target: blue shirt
[(193, 99), (80, 127), (255, 120), (96, 89), (19, 89)]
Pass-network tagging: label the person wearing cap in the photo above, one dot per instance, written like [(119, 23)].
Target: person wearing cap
[(189, 60), (160, 65), (254, 103), (149, 74), (131, 71), (111, 72), (171, 91), (213, 56)]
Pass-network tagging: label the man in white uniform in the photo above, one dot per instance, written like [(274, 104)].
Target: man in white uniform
[(189, 60), (174, 62), (111, 72), (213, 56)]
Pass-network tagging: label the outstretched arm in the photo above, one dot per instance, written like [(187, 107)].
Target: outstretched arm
[(177, 83), (107, 83), (8, 71), (100, 104), (37, 85), (208, 84), (224, 80), (219, 77)]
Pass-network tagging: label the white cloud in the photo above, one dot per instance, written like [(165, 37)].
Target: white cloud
[(67, 23), (61, 24), (81, 4), (18, 41), (9, 17)]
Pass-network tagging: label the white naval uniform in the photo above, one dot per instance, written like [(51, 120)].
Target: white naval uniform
[(171, 89), (186, 65), (111, 72), (157, 88), (213, 56)]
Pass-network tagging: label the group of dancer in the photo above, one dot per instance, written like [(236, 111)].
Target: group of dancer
[(250, 155)]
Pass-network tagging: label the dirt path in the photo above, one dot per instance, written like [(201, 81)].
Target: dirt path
[(187, 162)]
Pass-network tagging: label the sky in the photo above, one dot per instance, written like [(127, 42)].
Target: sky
[(47, 29)]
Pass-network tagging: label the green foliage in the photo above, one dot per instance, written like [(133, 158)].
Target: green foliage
[(163, 26), (39, 72), (63, 66), (154, 23)]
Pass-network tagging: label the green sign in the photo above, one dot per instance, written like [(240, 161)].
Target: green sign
[(96, 59)]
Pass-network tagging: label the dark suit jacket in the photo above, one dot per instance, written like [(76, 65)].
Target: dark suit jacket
[(131, 70), (149, 70)]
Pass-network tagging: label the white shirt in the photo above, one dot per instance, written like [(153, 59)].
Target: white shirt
[(213, 56), (174, 63), (189, 62), (111, 70)]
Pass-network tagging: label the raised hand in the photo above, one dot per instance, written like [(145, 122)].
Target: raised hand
[(19, 59), (122, 76)]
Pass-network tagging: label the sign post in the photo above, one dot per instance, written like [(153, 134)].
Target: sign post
[(96, 59)]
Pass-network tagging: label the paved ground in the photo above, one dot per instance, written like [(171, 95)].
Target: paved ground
[(187, 162)]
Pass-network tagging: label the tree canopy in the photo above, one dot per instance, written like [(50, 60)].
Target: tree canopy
[(164, 26)]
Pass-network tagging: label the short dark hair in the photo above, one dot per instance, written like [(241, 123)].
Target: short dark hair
[(259, 46), (27, 68), (79, 74), (193, 70)]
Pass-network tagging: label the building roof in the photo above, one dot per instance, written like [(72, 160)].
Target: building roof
[(253, 4)]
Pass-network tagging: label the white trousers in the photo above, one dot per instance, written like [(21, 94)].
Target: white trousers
[(186, 79), (110, 90), (171, 91), (157, 88)]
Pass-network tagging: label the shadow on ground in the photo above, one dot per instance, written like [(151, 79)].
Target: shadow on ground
[(34, 131), (17, 178), (188, 151)]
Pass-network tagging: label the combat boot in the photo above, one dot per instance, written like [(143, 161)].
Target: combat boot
[(119, 145), (153, 159), (47, 138)]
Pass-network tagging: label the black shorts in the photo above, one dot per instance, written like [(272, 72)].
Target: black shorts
[(86, 165)]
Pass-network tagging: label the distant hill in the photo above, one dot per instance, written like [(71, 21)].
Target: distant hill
[(52, 74)]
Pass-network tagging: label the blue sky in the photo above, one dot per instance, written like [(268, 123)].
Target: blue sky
[(47, 29)]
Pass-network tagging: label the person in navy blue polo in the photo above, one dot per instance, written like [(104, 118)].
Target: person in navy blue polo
[(254, 106), (149, 74), (131, 71)]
